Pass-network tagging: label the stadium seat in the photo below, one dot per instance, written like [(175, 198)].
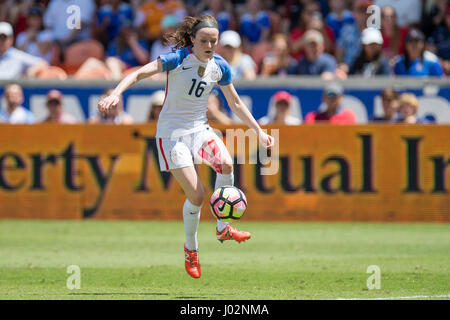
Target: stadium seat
[(93, 68), (79, 52), (129, 70), (94, 73), (52, 72)]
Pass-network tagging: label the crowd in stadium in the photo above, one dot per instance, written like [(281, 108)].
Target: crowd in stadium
[(326, 38)]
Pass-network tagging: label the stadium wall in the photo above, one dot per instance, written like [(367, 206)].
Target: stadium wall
[(361, 95), (321, 173)]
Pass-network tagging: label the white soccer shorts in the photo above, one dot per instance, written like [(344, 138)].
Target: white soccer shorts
[(203, 146)]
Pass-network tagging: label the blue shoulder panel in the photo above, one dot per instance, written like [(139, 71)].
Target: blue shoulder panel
[(173, 59), (226, 70)]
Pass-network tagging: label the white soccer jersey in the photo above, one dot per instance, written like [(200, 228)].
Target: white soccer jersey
[(189, 83)]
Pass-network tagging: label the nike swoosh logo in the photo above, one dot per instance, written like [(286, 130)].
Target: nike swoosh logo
[(222, 206), (193, 212), (186, 68)]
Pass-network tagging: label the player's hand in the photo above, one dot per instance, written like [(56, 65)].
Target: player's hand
[(266, 140), (108, 103)]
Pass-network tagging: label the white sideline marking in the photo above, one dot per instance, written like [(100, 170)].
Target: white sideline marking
[(397, 298)]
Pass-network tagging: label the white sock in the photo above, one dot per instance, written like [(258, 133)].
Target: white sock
[(223, 180), (191, 218)]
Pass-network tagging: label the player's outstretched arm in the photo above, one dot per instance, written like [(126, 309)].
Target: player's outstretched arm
[(241, 110), (146, 71)]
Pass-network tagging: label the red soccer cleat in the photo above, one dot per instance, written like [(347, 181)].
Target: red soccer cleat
[(232, 233), (191, 263)]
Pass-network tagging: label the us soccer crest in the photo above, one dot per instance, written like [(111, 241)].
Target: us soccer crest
[(201, 71)]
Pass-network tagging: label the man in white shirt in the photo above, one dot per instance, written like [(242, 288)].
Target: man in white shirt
[(62, 17), (56, 113), (15, 112), (282, 101), (13, 62)]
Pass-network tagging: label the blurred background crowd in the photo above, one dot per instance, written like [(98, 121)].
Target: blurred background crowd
[(258, 38), (268, 38)]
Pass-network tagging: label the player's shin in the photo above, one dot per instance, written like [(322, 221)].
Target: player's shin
[(191, 218), (223, 180)]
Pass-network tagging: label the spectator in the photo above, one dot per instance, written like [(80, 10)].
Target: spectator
[(54, 106), (278, 61), (433, 15), (56, 19), (15, 112), (156, 105), (389, 102), (129, 48), (315, 61), (152, 12), (110, 17), (254, 25), (35, 40), (282, 100), (334, 112), (309, 16), (215, 112), (371, 61), (408, 108), (294, 9), (393, 35), (339, 16), (15, 13), (13, 62), (439, 42), (124, 54), (220, 10), (242, 65), (408, 11), (416, 62), (116, 115), (168, 26), (318, 23), (349, 42)]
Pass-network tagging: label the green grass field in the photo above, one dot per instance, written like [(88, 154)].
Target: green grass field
[(145, 260)]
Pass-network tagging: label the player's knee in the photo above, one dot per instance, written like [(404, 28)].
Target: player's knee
[(227, 167), (197, 198)]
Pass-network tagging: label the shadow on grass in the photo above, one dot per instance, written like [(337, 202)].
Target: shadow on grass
[(117, 294), (200, 297)]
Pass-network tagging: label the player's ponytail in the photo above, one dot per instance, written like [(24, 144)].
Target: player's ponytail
[(182, 36)]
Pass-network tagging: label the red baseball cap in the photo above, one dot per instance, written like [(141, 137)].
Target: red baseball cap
[(282, 95), (54, 95)]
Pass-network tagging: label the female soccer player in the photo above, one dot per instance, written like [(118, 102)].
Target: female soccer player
[(183, 135)]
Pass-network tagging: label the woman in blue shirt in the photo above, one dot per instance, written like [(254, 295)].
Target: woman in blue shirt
[(129, 48), (416, 61)]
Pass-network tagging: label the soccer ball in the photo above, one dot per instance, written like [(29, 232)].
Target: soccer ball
[(228, 203)]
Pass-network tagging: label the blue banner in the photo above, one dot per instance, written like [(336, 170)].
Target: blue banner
[(81, 101)]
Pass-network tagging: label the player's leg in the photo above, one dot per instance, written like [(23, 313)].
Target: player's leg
[(224, 177), (175, 156), (189, 181), (214, 153)]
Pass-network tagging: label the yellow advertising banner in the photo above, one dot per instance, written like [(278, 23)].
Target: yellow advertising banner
[(313, 173)]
